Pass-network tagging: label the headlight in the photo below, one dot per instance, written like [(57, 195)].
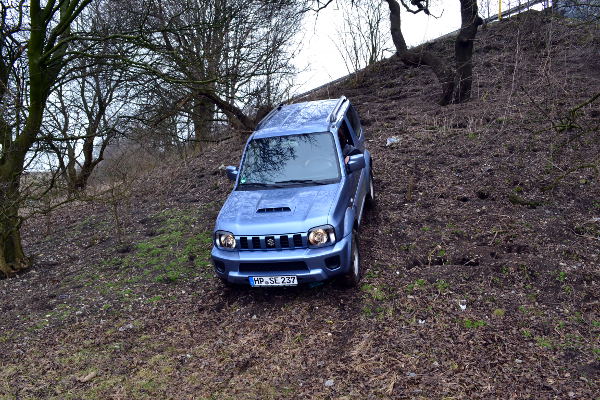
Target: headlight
[(225, 239), (320, 236)]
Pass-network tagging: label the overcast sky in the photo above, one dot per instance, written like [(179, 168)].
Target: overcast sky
[(319, 60)]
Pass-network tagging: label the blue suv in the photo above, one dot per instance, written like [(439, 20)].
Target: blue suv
[(294, 213)]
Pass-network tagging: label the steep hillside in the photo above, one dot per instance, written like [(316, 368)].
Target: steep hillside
[(494, 204)]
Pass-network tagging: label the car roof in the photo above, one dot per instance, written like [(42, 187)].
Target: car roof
[(307, 117)]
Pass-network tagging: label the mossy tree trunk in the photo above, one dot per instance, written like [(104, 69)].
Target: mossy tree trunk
[(12, 257), (49, 34)]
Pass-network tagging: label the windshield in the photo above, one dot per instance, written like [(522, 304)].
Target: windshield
[(307, 159)]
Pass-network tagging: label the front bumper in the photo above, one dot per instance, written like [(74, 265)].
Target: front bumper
[(309, 265)]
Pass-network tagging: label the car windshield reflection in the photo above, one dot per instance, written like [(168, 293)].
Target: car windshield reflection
[(281, 161)]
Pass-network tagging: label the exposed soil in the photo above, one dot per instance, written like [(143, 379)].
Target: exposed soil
[(491, 203)]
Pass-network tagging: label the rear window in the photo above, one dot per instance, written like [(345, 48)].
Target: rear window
[(354, 121)]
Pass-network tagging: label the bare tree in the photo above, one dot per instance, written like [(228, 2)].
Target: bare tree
[(34, 39), (456, 82), (93, 103), (362, 38), (84, 116), (214, 56)]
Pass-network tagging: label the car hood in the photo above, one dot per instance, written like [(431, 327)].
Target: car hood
[(309, 206)]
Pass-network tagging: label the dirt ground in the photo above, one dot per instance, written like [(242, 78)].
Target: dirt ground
[(492, 205)]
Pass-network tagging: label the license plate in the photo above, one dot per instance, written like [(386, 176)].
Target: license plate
[(273, 281)]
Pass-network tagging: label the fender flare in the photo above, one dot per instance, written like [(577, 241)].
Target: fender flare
[(368, 160), (349, 220)]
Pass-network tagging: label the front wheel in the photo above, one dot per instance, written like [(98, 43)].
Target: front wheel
[(352, 277)]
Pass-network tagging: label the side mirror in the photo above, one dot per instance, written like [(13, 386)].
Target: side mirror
[(356, 162), (232, 173)]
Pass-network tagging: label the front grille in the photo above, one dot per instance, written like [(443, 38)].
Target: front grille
[(297, 240), (271, 242), (285, 241), (274, 267)]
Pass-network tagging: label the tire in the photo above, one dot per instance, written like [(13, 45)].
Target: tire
[(352, 277), (370, 197)]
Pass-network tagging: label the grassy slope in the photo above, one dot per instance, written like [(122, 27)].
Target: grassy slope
[(461, 214)]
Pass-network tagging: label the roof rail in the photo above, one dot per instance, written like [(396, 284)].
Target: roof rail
[(337, 107), (269, 115)]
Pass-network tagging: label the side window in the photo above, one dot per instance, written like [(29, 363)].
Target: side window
[(354, 121), (344, 135)]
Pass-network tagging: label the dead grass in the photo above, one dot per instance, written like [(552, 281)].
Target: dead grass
[(444, 230)]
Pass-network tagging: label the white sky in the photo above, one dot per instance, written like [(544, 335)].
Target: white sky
[(319, 60)]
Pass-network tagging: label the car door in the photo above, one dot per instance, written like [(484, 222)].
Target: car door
[(346, 137), (360, 179)]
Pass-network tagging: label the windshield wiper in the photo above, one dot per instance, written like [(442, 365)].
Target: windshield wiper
[(311, 181), (260, 184)]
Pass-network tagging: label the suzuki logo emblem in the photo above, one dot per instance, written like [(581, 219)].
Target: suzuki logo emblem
[(270, 242)]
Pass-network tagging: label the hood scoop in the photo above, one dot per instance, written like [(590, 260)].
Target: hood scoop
[(273, 209)]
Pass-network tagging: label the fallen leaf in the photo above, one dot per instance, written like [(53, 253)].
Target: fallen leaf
[(88, 377)]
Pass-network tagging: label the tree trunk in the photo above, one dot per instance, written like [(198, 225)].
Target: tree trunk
[(79, 181), (438, 66), (45, 59), (235, 115), (12, 257), (463, 50), (203, 112), (456, 85)]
